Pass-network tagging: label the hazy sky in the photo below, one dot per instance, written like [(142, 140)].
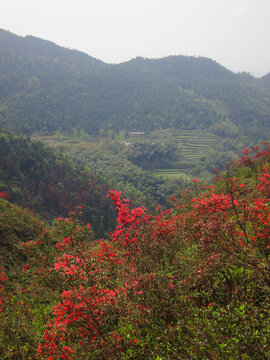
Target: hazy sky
[(235, 33)]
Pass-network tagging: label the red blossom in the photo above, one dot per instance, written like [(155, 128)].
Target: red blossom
[(4, 194)]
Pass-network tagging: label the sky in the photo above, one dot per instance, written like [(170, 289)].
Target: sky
[(235, 33)]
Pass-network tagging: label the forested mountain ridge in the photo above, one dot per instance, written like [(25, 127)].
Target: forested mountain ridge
[(26, 63), (265, 81), (46, 88)]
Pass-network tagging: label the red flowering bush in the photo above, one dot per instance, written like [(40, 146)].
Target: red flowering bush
[(192, 282)]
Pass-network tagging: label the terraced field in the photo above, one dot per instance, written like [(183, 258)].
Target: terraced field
[(195, 142), (192, 145)]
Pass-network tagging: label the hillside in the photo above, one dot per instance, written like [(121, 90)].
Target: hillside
[(16, 225), (36, 177), (150, 169), (45, 88), (188, 283), (265, 81)]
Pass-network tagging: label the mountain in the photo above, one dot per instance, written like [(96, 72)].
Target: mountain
[(45, 88), (265, 81)]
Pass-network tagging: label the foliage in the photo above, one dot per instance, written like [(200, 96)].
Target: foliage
[(113, 162), (150, 169), (46, 88), (16, 225), (191, 282), (38, 178)]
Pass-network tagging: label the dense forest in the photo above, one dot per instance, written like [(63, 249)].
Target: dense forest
[(36, 177)]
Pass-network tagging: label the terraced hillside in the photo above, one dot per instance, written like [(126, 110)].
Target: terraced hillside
[(153, 165), (193, 145)]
